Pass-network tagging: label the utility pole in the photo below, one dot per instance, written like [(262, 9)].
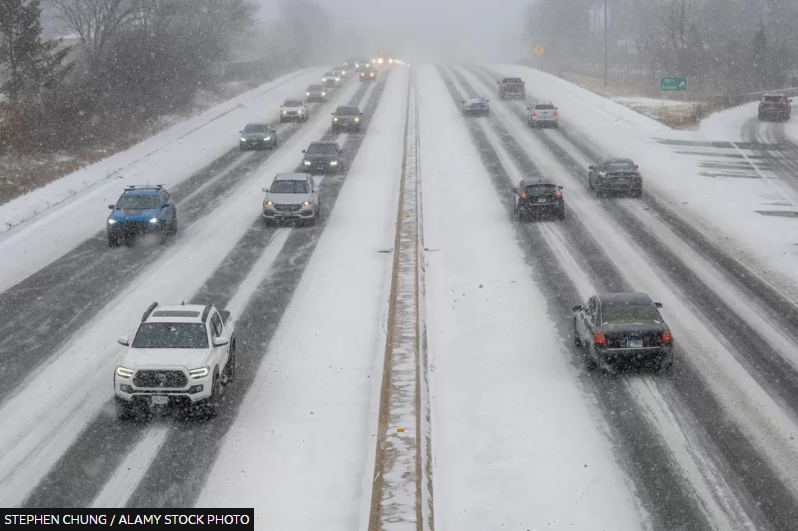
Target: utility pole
[(605, 44)]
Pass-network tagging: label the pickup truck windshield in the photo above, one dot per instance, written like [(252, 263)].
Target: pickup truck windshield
[(171, 335)]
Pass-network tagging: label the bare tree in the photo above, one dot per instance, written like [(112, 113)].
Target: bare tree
[(96, 22)]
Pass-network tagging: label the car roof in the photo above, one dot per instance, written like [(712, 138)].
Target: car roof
[(326, 142), (291, 177), (316, 87), (143, 191), (258, 123), (544, 103), (630, 161), (177, 313), (542, 180), (625, 298), (476, 98), (348, 107), (774, 95)]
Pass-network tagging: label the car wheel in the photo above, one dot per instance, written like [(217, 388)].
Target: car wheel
[(561, 215), (124, 410), (637, 193), (173, 228), (242, 148), (211, 408), (113, 241), (577, 341), (556, 125), (667, 370), (590, 182), (230, 368)]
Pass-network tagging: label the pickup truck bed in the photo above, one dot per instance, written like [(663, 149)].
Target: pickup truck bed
[(512, 87)]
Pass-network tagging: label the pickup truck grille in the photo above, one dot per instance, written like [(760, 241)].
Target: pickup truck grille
[(287, 208), (158, 379)]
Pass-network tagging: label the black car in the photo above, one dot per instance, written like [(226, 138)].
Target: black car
[(346, 117), (775, 107), (538, 197), (369, 74), (615, 176), (618, 329), (322, 158), (257, 136)]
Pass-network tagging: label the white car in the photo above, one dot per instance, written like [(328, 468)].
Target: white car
[(542, 113), (292, 196), (294, 109), (331, 79), (179, 357)]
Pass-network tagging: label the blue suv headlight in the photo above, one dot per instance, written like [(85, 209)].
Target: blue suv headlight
[(154, 220), (112, 222)]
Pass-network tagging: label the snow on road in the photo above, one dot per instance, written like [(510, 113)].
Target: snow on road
[(515, 442), (302, 449), (54, 219)]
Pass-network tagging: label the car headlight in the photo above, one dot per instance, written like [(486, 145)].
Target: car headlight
[(335, 119), (267, 138), (202, 372), (307, 93), (306, 203), (285, 112), (338, 79), (243, 139), (334, 163), (299, 111), (357, 119), (323, 93), (269, 203), (343, 73), (112, 222), (154, 220), (602, 174), (307, 163), (124, 372)]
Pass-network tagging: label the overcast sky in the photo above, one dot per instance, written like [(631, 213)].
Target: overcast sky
[(431, 30)]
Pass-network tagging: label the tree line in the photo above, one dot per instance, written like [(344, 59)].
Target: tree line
[(726, 47)]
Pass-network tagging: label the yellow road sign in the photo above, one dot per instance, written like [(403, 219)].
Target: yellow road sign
[(538, 49)]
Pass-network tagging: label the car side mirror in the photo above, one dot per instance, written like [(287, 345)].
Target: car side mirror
[(304, 151), (361, 114), (577, 308), (637, 167), (591, 167), (123, 340), (265, 190), (220, 341), (332, 113), (462, 101), (512, 190), (559, 188), (241, 132), (658, 304), (111, 207)]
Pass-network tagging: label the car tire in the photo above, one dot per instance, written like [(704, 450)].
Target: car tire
[(637, 193), (113, 241), (556, 125), (242, 148), (162, 234), (561, 215), (173, 228), (230, 368), (667, 370), (577, 341), (124, 410), (590, 364), (211, 406)]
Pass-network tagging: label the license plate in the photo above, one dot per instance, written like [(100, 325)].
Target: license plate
[(635, 343), (542, 200), (160, 400)]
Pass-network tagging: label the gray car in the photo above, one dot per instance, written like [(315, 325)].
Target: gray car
[(331, 79), (294, 110), (346, 117), (292, 196), (476, 106), (323, 158), (316, 93), (257, 136)]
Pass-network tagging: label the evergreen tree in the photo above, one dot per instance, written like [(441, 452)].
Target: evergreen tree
[(26, 61)]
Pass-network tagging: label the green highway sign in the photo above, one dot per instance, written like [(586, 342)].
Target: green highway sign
[(673, 84)]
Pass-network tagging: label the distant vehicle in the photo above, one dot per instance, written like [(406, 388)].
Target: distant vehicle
[(323, 157), (617, 329), (543, 113), (294, 110), (368, 75), (351, 63), (362, 65), (316, 93), (331, 79), (141, 210), (537, 198), (775, 107), (512, 87), (378, 61), (180, 357), (257, 136), (292, 196), (615, 176), (346, 117), (342, 71), (476, 106)]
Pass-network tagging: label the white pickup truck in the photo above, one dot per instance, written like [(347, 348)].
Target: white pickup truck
[(179, 357)]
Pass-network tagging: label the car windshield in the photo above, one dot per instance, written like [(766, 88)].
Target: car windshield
[(629, 313), (171, 335), (256, 128), (290, 187), (772, 99), (541, 189), (322, 149), (292, 103), (330, 74), (315, 88), (544, 107), (512, 80), (347, 111), (619, 165), (137, 202)]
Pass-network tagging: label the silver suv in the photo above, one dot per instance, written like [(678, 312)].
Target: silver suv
[(294, 109), (292, 196), (543, 113)]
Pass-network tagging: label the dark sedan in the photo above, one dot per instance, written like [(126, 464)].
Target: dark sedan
[(538, 197), (323, 158), (623, 329), (257, 136), (346, 117), (615, 176)]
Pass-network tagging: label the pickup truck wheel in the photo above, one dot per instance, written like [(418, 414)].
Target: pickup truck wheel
[(124, 409), (230, 368), (163, 232), (212, 403)]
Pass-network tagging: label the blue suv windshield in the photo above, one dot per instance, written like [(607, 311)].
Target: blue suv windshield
[(137, 202)]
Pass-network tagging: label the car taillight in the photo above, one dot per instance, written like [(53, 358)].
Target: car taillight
[(559, 193), (534, 113), (600, 339), (666, 336), (523, 194), (503, 87), (783, 104), (523, 86), (555, 113)]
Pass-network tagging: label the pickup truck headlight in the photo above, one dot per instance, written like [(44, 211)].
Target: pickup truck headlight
[(112, 222), (154, 220), (357, 119), (124, 372), (306, 203), (267, 138), (307, 163), (334, 163), (202, 372), (269, 203)]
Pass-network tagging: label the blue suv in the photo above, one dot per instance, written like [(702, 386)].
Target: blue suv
[(141, 210)]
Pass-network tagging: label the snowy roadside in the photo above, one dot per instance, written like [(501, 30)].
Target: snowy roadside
[(308, 425), (717, 189), (191, 135)]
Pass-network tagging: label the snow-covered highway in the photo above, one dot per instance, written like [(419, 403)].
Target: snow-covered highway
[(523, 436)]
